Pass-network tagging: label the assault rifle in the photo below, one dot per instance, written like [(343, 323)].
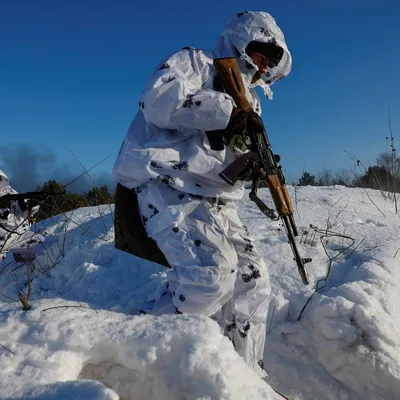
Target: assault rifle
[(261, 153), (34, 199)]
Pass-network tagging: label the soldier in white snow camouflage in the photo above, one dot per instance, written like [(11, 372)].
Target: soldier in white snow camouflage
[(168, 164), (14, 225)]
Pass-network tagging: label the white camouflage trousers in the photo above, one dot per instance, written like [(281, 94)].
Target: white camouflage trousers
[(216, 270)]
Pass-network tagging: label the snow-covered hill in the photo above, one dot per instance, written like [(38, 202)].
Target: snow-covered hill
[(83, 337)]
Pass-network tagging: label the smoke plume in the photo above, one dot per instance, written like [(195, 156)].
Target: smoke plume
[(30, 166)]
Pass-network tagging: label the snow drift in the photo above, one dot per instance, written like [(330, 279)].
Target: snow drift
[(83, 337)]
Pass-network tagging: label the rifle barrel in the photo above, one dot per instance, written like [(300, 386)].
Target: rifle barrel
[(299, 260)]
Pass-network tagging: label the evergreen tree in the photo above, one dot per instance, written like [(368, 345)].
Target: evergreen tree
[(58, 204), (306, 179), (98, 196)]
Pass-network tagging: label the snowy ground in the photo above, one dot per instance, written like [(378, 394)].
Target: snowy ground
[(83, 339)]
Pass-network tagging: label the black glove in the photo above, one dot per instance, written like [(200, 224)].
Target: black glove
[(240, 124), (254, 123), (253, 171), (242, 121)]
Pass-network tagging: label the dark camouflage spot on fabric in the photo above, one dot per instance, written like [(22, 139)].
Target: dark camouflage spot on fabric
[(155, 164), (246, 278), (175, 229), (197, 243), (179, 165), (231, 326), (155, 211), (241, 13), (249, 66), (164, 66), (167, 179), (249, 247), (255, 274), (181, 196), (189, 102), (182, 298), (265, 31)]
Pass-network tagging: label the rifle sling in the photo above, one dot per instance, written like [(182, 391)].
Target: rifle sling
[(269, 212)]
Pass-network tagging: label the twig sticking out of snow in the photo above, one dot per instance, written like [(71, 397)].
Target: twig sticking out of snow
[(310, 237), (6, 348), (81, 306)]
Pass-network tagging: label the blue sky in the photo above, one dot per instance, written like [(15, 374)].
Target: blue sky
[(71, 74)]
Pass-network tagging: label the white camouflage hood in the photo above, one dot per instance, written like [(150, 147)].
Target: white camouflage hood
[(257, 26)]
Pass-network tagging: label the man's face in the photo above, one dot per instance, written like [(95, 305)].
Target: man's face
[(260, 61)]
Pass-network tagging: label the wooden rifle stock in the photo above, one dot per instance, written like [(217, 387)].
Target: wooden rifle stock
[(277, 194), (229, 73)]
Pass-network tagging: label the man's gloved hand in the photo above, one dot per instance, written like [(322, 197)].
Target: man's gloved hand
[(240, 124), (252, 171), (242, 121), (254, 123)]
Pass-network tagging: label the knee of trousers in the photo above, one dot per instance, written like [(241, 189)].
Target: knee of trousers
[(263, 296), (252, 297), (200, 290)]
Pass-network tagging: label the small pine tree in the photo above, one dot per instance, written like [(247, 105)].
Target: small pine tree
[(306, 179), (376, 177), (54, 205), (98, 196)]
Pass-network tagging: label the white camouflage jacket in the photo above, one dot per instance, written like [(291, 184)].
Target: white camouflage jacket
[(167, 138)]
